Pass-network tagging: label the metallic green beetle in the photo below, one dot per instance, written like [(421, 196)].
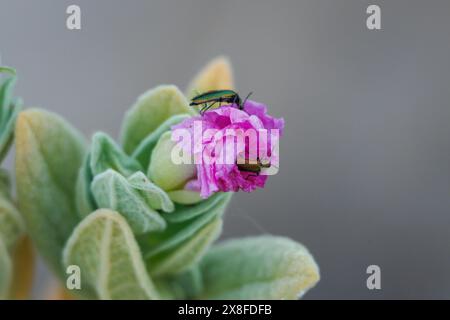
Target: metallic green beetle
[(217, 96)]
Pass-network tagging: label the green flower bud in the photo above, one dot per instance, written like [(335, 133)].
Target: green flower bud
[(163, 171)]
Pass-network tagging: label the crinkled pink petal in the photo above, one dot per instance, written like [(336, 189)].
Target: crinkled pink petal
[(218, 176)]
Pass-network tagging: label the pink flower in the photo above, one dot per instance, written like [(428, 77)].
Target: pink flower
[(226, 135)]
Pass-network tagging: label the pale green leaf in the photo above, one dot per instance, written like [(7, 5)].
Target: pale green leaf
[(182, 244), (104, 248), (186, 197), (5, 183), (9, 109), (176, 233), (149, 112), (111, 190), (264, 267), (6, 97), (154, 195), (49, 154), (187, 212), (11, 223), (85, 201), (184, 285), (106, 154), (187, 253)]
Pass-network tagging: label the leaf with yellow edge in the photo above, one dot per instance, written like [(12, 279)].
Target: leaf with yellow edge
[(49, 153), (217, 75), (149, 112), (111, 264)]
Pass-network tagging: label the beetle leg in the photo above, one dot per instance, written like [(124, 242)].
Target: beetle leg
[(245, 100), (206, 108)]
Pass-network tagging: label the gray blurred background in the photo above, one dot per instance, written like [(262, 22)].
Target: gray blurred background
[(365, 161)]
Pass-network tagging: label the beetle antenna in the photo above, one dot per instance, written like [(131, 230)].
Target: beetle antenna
[(245, 100)]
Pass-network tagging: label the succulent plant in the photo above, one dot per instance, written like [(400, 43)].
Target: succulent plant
[(16, 258), (121, 213)]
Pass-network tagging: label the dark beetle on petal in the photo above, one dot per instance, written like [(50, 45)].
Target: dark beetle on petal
[(254, 168)]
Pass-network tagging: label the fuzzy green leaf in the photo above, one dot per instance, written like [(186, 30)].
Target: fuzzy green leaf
[(149, 112), (154, 195), (6, 94), (106, 154), (5, 183), (49, 154), (182, 243), (264, 267), (111, 190), (183, 213), (176, 233), (9, 109), (104, 248), (11, 222), (85, 201), (144, 150), (187, 253), (184, 285)]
